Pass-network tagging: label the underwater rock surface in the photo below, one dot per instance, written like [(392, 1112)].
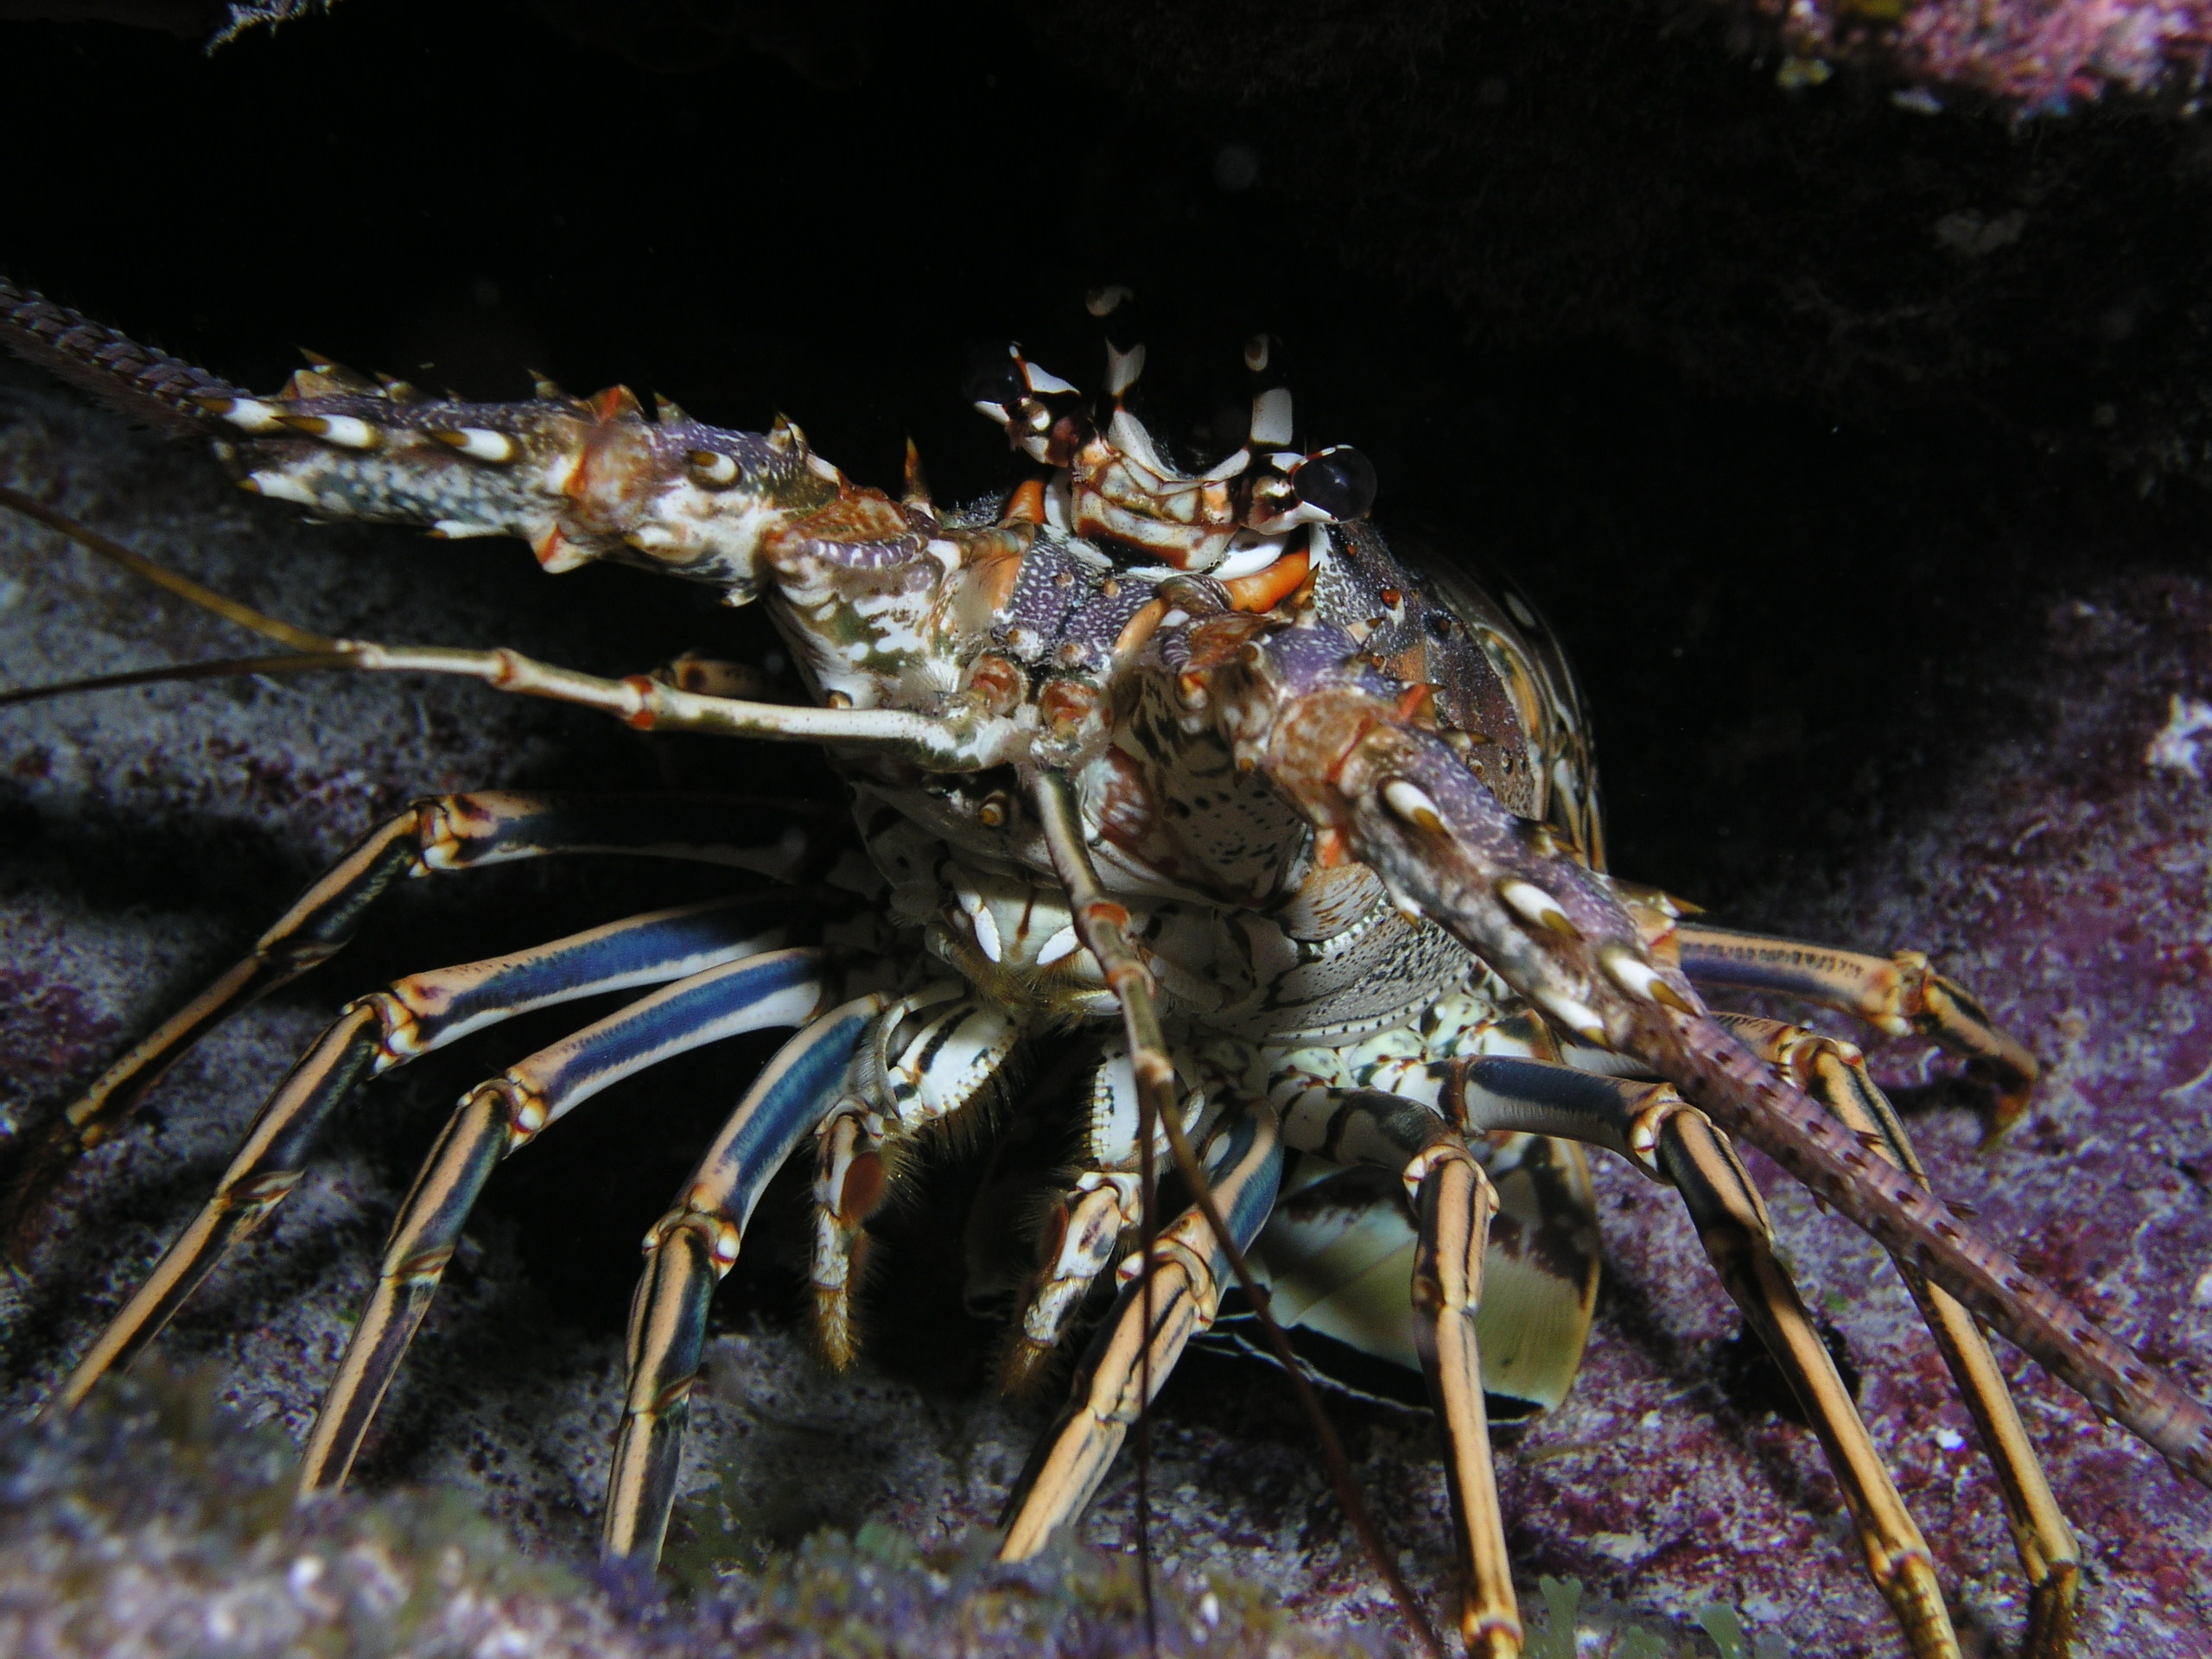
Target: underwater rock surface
[(152, 1525)]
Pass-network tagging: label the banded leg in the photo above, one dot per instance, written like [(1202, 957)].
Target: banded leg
[(780, 988), (1103, 927), (1103, 1205), (1669, 1139), (689, 1249), (1835, 1073), (1732, 1225), (1902, 995), (386, 1029), (1187, 1267), (1456, 1203), (932, 1056), (1453, 1202), (1397, 797), (450, 832)]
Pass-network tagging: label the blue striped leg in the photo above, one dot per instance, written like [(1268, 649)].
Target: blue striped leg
[(1243, 1164), (390, 1027), (447, 832), (696, 1244), (930, 1056), (782, 987)]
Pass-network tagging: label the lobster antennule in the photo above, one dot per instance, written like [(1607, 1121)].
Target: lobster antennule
[(1515, 896)]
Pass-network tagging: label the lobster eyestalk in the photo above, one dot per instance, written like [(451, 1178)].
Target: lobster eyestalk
[(1398, 798)]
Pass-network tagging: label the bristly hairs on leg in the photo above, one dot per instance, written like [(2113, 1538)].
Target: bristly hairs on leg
[(1101, 924)]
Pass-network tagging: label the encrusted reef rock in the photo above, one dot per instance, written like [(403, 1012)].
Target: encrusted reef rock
[(155, 1524)]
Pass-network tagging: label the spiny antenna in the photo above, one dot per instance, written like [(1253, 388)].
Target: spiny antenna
[(231, 610), (296, 662), (143, 382)]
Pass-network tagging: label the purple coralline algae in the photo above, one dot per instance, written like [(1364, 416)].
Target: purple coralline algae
[(2037, 56)]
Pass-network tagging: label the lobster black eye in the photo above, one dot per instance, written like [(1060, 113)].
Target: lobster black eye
[(993, 375), (1338, 479)]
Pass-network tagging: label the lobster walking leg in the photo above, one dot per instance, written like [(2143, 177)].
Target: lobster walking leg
[(692, 1247), (1103, 1204), (1668, 1139), (1147, 1332), (935, 1053), (1732, 1225), (390, 1027), (1902, 995), (849, 1181), (1834, 1074), (782, 987), (439, 833), (1454, 1203), (1091, 1217), (1401, 801)]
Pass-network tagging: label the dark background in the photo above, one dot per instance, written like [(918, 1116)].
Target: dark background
[(1679, 348)]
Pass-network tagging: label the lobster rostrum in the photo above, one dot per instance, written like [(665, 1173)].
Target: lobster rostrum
[(1311, 833)]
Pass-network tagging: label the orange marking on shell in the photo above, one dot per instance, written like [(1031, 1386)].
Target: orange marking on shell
[(1139, 628), (642, 717), (1066, 704), (1418, 706), (858, 514), (855, 518), (1221, 639), (616, 402), (615, 467), (998, 680), (557, 553), (1106, 912), (861, 1190), (1334, 775), (1026, 505), (996, 555), (1264, 589)]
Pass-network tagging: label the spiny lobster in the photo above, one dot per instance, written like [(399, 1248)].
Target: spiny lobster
[(1186, 754)]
